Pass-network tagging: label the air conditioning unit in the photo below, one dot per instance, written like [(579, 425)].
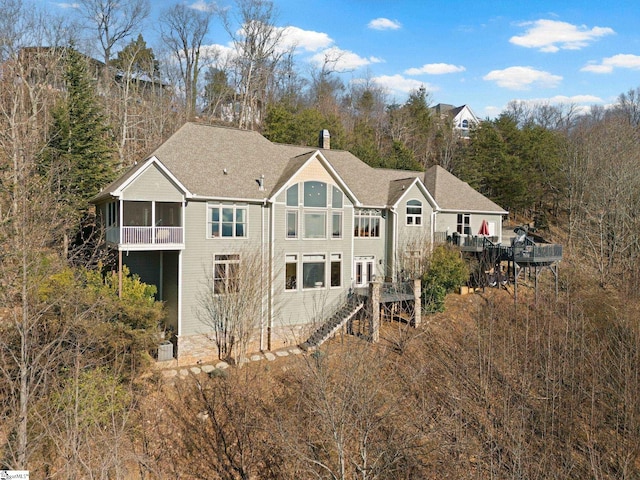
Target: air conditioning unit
[(165, 351)]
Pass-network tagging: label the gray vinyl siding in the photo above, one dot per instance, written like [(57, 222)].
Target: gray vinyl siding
[(413, 234), (449, 221), (303, 306), (198, 256), (376, 247), (152, 184)]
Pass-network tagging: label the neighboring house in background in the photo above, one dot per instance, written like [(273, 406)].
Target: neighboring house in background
[(322, 221), (462, 118), (46, 64)]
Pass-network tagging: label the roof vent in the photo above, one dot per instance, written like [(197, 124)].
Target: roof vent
[(224, 170), (325, 139), (260, 183)]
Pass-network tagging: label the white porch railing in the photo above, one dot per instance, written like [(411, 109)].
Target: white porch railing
[(146, 235)]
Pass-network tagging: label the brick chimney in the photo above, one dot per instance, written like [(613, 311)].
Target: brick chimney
[(325, 139)]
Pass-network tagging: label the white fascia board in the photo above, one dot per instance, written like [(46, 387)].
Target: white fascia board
[(148, 162), (483, 212), (203, 198), (319, 156), (425, 192)]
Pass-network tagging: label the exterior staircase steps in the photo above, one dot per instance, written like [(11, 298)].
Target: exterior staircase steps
[(332, 325)]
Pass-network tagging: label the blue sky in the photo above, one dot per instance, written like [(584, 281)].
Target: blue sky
[(480, 53)]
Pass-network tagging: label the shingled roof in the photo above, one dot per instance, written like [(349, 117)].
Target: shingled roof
[(453, 194), (221, 162)]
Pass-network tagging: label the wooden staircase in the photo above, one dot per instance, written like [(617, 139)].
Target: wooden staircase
[(333, 324)]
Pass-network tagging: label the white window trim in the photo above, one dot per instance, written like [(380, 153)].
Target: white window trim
[(286, 226), (369, 213), (341, 235), (338, 257), (302, 264), (235, 207), (414, 215), (227, 262), (297, 264)]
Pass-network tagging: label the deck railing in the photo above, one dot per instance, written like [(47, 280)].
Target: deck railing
[(537, 253), (147, 235)]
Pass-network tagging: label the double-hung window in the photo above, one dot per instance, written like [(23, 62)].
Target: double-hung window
[(336, 269), (292, 215), (464, 224), (336, 213), (414, 212), (225, 273), (291, 272), (226, 221)]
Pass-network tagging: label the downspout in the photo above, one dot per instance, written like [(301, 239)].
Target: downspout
[(433, 229), (271, 263), (353, 249), (183, 223), (394, 241), (262, 212), (120, 233)]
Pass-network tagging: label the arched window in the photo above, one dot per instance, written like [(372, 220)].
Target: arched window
[(315, 194), (414, 212)]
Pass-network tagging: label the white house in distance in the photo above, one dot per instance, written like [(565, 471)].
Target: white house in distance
[(322, 222), (462, 118)]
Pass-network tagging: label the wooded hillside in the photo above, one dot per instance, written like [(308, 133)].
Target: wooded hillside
[(487, 389)]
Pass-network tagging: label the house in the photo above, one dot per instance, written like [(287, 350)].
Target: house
[(321, 222), (462, 119), (47, 64)]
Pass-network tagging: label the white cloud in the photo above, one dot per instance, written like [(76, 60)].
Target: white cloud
[(553, 35), (384, 24), (203, 6), (522, 78), (67, 5), (492, 112), (621, 60), (307, 40), (342, 60), (400, 84), (435, 69), (563, 100)]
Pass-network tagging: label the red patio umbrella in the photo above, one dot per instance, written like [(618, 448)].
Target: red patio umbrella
[(484, 229)]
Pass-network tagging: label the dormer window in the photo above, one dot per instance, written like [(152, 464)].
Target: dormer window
[(414, 212)]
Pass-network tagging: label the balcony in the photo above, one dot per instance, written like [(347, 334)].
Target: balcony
[(147, 226), (537, 254), (141, 237)]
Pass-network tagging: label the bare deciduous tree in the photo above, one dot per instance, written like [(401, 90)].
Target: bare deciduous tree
[(259, 48), (113, 21), (183, 30), (231, 301)]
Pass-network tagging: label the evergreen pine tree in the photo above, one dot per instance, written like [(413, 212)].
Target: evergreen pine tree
[(80, 156)]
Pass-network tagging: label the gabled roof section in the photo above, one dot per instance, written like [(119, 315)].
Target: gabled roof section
[(298, 163), (219, 163), (453, 195), (115, 188), (399, 188)]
